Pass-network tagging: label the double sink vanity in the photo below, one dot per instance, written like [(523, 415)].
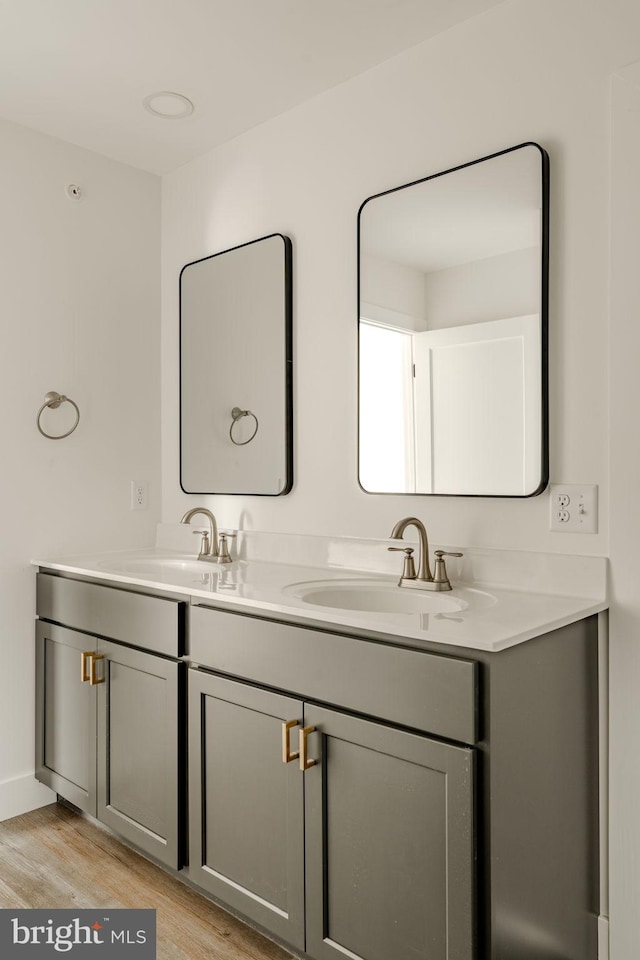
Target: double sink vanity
[(359, 770)]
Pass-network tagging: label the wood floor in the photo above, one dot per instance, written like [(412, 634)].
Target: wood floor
[(53, 857)]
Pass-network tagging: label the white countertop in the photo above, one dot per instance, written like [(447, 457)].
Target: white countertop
[(497, 617)]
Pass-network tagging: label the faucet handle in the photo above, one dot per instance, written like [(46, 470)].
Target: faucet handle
[(409, 567), (204, 544), (223, 548), (440, 570)]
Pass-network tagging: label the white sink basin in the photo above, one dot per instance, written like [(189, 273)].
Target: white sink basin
[(375, 596)]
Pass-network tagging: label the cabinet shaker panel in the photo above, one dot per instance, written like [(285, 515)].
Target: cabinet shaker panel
[(389, 843), (65, 715), (246, 804), (138, 740)]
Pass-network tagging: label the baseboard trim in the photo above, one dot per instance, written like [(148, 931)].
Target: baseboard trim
[(22, 794)]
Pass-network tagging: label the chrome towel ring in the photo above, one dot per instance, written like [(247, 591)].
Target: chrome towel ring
[(238, 414), (53, 400)]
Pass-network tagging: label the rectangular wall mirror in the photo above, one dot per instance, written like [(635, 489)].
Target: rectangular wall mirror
[(235, 370), (453, 295)]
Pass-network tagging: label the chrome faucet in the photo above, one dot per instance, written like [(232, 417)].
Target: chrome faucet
[(209, 545), (423, 579), (424, 570)]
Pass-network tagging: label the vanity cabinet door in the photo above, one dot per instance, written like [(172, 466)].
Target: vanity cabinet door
[(389, 843), (246, 804), (138, 735), (65, 714)]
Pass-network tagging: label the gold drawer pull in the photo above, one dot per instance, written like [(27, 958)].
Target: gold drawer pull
[(93, 680), (304, 762), (84, 656), (287, 756)]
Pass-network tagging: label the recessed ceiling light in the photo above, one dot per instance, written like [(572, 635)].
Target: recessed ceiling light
[(168, 106)]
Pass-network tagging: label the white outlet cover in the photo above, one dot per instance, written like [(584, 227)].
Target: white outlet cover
[(138, 495), (573, 508)]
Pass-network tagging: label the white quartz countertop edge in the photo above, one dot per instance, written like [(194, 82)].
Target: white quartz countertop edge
[(517, 616)]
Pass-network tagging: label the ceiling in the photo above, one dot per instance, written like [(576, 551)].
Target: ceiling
[(471, 213), (80, 69)]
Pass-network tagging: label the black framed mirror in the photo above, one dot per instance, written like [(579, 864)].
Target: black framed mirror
[(452, 331), (236, 370)]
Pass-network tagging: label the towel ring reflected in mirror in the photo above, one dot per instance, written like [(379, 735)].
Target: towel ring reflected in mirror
[(237, 415), (53, 400)]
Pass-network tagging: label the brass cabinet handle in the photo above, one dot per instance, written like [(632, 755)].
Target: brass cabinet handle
[(93, 680), (287, 756), (304, 762), (84, 656)]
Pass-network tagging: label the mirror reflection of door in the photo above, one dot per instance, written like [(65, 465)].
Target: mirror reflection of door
[(475, 385), (452, 365)]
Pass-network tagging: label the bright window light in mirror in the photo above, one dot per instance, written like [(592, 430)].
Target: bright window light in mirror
[(386, 400), (456, 267)]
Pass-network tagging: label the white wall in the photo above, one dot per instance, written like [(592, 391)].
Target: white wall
[(392, 293), (495, 288), (492, 289), (625, 518), (80, 315), (524, 70)]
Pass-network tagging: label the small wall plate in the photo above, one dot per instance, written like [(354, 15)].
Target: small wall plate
[(574, 508)]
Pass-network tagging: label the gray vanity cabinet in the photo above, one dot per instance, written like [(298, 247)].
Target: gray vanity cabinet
[(351, 794), (65, 715), (379, 826), (246, 806), (137, 761), (389, 842), (108, 722)]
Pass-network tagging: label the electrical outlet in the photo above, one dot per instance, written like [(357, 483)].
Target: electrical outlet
[(138, 495), (574, 508)]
